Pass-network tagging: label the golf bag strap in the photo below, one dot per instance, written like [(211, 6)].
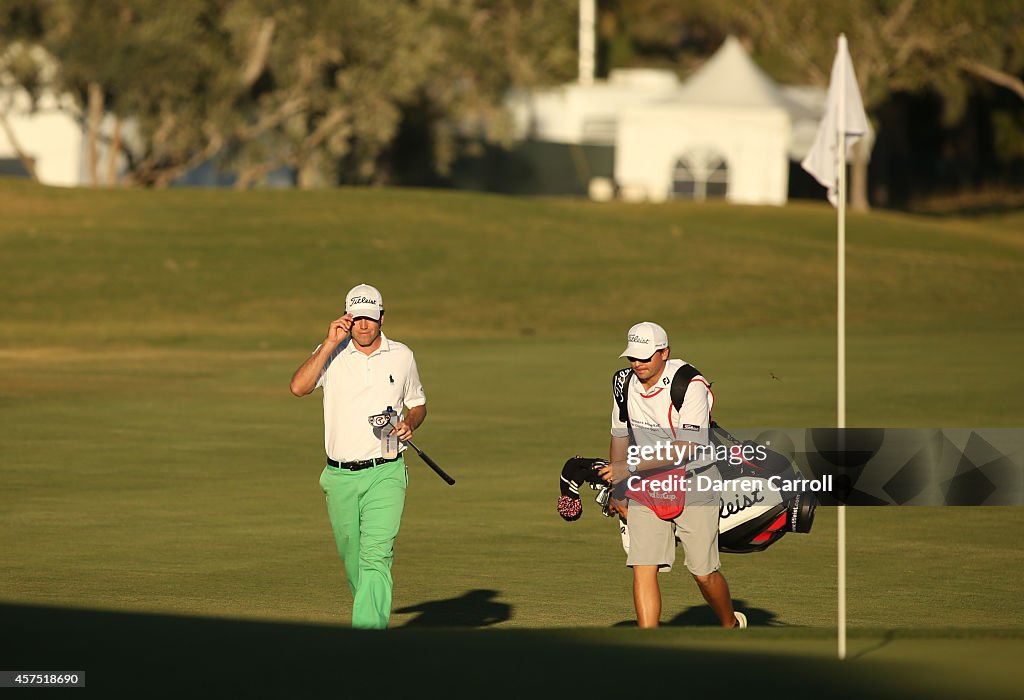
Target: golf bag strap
[(680, 383), (717, 430), (620, 386)]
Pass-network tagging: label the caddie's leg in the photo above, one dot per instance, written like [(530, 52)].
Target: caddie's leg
[(698, 533), (646, 596), (342, 489), (651, 549), (380, 507), (715, 590), (697, 528)]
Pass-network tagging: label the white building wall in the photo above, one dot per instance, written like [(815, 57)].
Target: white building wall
[(562, 114), (50, 136)]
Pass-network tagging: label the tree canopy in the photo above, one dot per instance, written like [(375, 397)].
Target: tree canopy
[(327, 89), (322, 88)]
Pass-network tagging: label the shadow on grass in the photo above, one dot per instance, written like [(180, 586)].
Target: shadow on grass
[(471, 609), (158, 656), (703, 616), (882, 643)]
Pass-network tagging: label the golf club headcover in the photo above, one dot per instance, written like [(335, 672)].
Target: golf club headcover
[(576, 472)]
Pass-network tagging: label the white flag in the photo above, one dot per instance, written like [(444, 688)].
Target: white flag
[(843, 110)]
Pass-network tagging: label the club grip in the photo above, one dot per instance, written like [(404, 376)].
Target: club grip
[(432, 464)]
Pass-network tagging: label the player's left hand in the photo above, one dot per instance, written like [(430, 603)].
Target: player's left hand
[(403, 431)]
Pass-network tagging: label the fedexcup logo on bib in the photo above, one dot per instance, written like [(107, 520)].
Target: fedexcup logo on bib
[(664, 492)]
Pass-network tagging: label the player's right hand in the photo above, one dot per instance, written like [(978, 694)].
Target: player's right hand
[(339, 329)]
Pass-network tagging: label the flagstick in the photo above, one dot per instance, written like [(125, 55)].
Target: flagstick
[(821, 162), (841, 359), (841, 387)]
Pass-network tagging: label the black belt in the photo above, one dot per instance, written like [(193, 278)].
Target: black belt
[(362, 464)]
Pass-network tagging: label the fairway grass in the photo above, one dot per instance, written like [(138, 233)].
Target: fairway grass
[(154, 463)]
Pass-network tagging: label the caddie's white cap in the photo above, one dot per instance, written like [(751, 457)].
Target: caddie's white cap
[(364, 300), (645, 339)]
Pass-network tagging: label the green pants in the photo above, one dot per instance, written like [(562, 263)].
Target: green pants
[(365, 508)]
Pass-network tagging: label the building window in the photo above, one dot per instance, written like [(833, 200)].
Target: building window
[(700, 173)]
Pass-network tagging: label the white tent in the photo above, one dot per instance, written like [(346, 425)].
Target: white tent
[(727, 132)]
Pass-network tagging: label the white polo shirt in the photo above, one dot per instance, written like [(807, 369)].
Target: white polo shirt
[(655, 419), (356, 386)]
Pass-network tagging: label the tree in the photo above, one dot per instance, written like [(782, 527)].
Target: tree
[(322, 88), (367, 66)]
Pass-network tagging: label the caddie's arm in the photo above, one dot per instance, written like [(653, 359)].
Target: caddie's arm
[(617, 452), (615, 470), (305, 378), (624, 464)]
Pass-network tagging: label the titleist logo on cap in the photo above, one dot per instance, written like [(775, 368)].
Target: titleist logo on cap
[(361, 300), (638, 339)]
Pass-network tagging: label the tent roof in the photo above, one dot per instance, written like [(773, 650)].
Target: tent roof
[(730, 78)]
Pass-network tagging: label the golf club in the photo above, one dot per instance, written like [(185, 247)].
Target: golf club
[(392, 420), (431, 463)]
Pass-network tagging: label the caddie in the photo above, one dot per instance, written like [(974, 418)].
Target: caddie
[(362, 373), (647, 412)]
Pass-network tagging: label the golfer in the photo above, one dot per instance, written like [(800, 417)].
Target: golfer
[(362, 373), (652, 419)]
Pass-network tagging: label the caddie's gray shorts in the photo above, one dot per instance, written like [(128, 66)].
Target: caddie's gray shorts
[(652, 541)]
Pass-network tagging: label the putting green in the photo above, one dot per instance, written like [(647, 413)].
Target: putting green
[(154, 462)]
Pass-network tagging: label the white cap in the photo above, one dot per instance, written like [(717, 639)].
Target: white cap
[(364, 300), (645, 339)]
